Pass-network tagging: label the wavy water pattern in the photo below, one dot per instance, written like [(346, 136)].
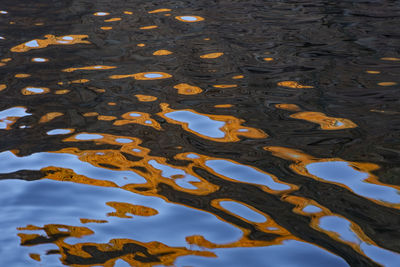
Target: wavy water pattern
[(199, 133)]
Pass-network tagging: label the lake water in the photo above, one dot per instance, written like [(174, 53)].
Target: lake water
[(199, 133)]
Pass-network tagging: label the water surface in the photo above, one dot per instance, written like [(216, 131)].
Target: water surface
[(199, 133)]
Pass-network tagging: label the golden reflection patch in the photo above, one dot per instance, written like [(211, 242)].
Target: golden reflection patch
[(162, 52), (187, 89), (142, 254), (357, 177), (223, 106), (290, 107), (225, 85), (22, 75), (144, 76), (95, 67), (121, 210), (212, 55), (293, 84), (325, 122), (112, 20), (146, 98), (50, 116), (138, 118), (149, 27), (50, 40), (30, 90), (387, 83), (160, 10), (189, 19), (221, 128)]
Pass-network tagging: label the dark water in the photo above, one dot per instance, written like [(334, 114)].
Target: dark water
[(199, 133)]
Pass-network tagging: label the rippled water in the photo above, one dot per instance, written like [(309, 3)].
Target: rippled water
[(199, 133)]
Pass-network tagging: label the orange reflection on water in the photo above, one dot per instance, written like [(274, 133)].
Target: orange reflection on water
[(39, 59), (101, 14), (389, 112), (187, 89), (343, 230), (290, 107), (268, 182), (301, 203), (293, 84), (366, 185), (243, 242), (146, 98), (98, 90), (149, 27), (277, 232), (325, 122), (9, 116), (159, 10), (387, 83), (223, 106), (138, 118), (84, 221), (97, 137), (95, 67), (80, 81), (34, 90), (50, 116), (90, 114), (154, 75), (217, 204), (74, 81), (391, 58), (189, 18), (212, 55), (225, 85), (62, 92), (54, 229), (35, 256), (69, 175), (372, 72), (22, 75), (264, 222), (154, 176), (302, 159), (112, 20), (231, 130), (162, 52), (133, 252), (300, 208), (121, 210), (50, 40), (153, 169), (106, 118)]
